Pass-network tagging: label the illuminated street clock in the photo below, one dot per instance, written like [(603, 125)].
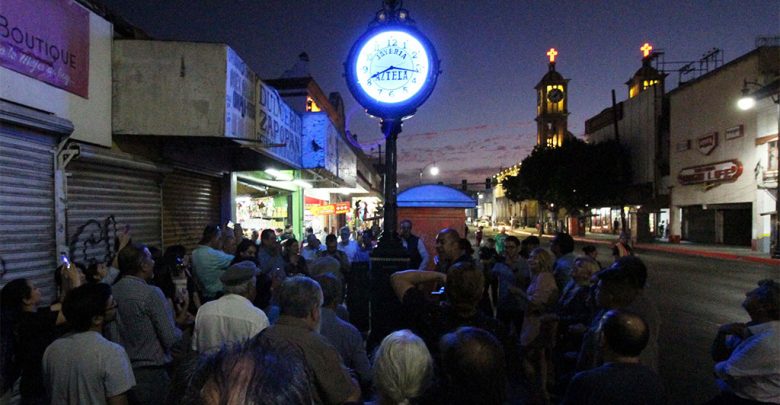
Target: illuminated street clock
[(391, 70)]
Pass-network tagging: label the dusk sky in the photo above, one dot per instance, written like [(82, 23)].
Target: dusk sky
[(481, 114)]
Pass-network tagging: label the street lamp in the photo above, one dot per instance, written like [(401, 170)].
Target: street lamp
[(747, 102), (434, 171)]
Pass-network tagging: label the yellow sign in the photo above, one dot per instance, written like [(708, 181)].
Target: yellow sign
[(330, 209)]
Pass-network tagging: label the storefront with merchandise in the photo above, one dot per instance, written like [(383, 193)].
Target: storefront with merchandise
[(366, 213)]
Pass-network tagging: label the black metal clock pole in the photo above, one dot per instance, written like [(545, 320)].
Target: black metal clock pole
[(390, 255), (391, 70), (391, 128)]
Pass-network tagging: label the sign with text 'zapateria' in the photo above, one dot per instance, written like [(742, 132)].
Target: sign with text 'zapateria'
[(47, 40), (711, 173)]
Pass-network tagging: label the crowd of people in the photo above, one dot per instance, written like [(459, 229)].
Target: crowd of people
[(266, 319)]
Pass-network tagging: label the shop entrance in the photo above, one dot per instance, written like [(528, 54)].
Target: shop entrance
[(262, 207), (737, 226)]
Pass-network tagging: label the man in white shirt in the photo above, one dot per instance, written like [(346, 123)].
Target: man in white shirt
[(347, 245), (312, 249), (748, 354), (83, 367), (232, 318)]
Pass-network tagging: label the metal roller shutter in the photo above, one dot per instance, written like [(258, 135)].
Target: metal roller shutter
[(27, 243), (190, 202), (104, 198)]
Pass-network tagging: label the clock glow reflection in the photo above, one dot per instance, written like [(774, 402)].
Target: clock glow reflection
[(392, 67)]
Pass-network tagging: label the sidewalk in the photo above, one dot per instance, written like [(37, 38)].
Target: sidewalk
[(684, 248)]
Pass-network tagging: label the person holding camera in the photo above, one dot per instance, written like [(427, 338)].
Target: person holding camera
[(463, 285)]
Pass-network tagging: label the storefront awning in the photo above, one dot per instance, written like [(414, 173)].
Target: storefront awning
[(205, 153)]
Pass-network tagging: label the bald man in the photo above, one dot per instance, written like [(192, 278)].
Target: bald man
[(622, 379), (449, 249)]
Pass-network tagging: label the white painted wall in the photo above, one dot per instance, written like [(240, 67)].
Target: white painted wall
[(638, 130), (169, 88), (91, 117), (710, 105)]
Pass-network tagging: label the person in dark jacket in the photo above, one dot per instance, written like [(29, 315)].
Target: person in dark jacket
[(418, 255)]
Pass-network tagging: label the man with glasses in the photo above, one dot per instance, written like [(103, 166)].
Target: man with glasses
[(418, 255), (84, 367)]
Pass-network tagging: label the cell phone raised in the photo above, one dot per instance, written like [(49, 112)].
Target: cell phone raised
[(64, 261)]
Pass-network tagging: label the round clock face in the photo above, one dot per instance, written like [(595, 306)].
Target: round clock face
[(391, 70), (555, 95), (392, 66)]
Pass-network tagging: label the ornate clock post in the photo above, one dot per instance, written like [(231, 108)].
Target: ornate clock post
[(390, 70), (552, 106)]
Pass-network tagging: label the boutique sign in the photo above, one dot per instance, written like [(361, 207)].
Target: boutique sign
[(47, 40), (728, 170)]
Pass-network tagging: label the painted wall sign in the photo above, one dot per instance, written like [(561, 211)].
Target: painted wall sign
[(734, 132), (239, 98), (320, 143), (682, 146), (715, 172), (707, 143), (347, 163), (279, 127), (47, 40)]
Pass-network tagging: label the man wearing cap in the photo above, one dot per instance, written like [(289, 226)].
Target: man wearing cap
[(232, 318)]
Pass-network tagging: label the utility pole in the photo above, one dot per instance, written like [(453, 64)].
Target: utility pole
[(617, 138)]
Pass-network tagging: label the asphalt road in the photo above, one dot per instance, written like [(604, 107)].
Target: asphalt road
[(694, 296)]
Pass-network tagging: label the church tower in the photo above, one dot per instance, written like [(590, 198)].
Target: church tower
[(552, 106), (647, 76)]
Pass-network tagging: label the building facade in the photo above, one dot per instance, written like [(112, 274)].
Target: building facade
[(723, 159), (640, 124), (163, 136)]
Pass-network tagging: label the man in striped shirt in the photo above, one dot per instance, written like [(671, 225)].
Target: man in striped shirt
[(146, 324)]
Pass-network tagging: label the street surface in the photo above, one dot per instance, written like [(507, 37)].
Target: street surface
[(694, 296)]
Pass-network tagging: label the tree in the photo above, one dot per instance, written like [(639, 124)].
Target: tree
[(572, 176)]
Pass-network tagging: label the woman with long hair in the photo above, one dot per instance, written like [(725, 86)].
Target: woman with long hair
[(26, 332), (294, 263), (172, 275), (541, 296)]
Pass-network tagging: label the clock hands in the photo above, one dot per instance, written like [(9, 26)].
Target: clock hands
[(379, 73), (389, 69), (408, 70)]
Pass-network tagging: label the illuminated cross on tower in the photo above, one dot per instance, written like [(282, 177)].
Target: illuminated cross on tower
[(646, 48), (551, 53)]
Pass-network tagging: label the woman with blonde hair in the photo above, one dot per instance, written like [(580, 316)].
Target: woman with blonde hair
[(403, 369), (541, 296)]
